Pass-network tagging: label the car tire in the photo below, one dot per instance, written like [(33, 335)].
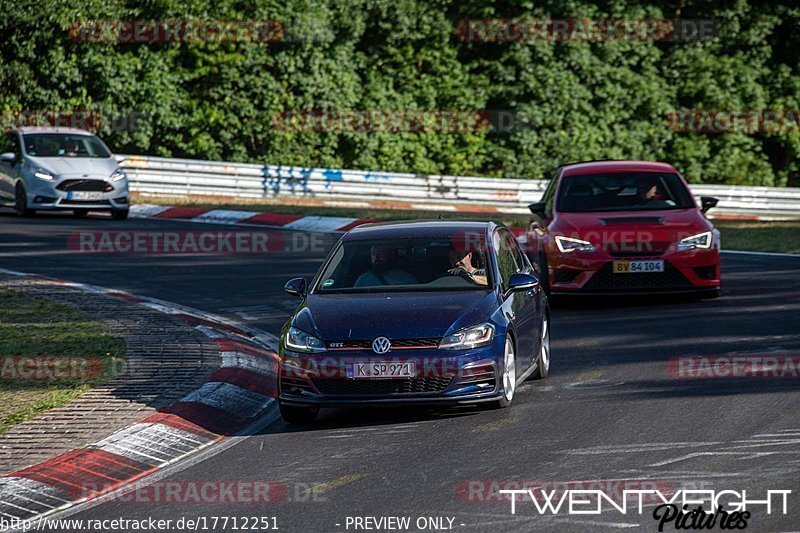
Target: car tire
[(21, 202), (543, 359), (80, 213), (119, 214), (293, 414), (509, 375)]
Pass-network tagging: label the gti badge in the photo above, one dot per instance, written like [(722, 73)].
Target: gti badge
[(381, 345)]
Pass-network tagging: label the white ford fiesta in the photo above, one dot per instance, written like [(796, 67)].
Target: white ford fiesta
[(60, 168)]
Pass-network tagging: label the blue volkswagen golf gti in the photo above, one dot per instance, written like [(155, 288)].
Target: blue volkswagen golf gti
[(426, 312)]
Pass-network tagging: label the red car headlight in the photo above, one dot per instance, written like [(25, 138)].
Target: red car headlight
[(568, 244)]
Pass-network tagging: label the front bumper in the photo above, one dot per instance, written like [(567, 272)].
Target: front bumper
[(65, 193), (688, 271), (322, 380)]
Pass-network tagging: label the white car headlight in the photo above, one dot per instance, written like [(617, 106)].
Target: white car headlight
[(44, 174), (701, 240), (467, 338), (118, 174), (568, 244), (299, 341)]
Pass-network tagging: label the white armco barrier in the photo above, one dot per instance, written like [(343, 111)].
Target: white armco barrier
[(189, 177)]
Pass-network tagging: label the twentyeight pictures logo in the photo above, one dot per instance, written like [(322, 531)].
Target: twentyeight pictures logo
[(682, 509)]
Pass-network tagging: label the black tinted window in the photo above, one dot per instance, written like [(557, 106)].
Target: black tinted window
[(639, 191)]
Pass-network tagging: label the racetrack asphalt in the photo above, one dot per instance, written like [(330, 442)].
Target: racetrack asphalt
[(610, 409)]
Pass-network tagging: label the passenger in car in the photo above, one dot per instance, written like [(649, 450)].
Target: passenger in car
[(384, 270)]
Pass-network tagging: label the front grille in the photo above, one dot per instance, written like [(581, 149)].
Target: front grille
[(564, 275), (706, 272), (85, 185), (637, 249), (67, 203), (397, 344), (605, 280), (381, 387)]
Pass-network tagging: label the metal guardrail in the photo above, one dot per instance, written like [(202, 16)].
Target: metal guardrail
[(189, 177)]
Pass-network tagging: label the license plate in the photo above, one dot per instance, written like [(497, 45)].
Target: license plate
[(381, 370), (84, 195), (637, 267)]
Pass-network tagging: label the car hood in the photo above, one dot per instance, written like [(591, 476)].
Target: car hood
[(394, 315), (667, 224), (99, 168)]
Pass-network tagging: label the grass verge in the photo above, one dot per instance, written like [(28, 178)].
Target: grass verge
[(50, 354), (754, 236)]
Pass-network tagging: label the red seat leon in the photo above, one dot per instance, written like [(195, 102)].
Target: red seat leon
[(611, 227)]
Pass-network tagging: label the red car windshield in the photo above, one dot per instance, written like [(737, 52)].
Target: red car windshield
[(631, 191)]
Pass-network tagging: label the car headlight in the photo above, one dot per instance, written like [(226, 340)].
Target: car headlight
[(701, 240), (568, 244), (44, 174), (118, 174), (473, 337), (300, 341)]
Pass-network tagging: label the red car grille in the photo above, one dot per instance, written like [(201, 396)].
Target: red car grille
[(637, 249), (605, 280)]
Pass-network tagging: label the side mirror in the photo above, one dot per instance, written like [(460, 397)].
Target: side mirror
[(707, 202), (8, 157), (296, 287), (538, 208), (522, 282)]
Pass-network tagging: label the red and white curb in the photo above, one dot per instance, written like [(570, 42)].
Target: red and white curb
[(341, 224), (238, 392), (247, 218)]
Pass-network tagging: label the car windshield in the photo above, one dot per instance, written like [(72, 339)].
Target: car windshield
[(638, 191), (64, 145), (449, 262)]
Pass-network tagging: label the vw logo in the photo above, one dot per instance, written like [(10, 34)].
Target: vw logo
[(381, 345)]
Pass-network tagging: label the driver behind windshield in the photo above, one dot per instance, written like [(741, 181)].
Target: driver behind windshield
[(466, 262), (72, 148), (384, 270), (649, 194)]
